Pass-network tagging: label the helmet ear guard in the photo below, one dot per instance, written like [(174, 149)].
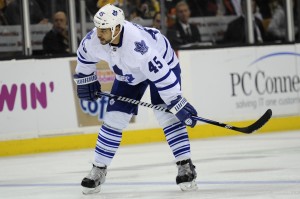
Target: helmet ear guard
[(109, 16)]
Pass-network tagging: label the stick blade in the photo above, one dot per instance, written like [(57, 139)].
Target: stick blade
[(256, 125)]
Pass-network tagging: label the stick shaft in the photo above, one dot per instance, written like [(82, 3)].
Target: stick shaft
[(249, 129)]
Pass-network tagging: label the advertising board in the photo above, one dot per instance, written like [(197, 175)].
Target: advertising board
[(238, 84)]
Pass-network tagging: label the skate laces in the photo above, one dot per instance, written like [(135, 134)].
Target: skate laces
[(184, 170), (97, 173), (186, 167)]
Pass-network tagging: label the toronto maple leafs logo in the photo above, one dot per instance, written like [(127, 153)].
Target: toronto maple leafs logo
[(125, 78), (115, 13), (101, 14), (141, 47)]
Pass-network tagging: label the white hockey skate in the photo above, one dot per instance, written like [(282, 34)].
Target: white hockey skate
[(186, 175), (92, 182)]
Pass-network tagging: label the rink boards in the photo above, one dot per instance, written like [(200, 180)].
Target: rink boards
[(39, 110)]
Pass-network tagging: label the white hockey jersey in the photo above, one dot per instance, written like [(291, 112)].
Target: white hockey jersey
[(143, 53)]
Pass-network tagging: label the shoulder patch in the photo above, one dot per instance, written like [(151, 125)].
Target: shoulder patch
[(141, 47)]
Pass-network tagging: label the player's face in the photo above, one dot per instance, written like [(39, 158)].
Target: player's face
[(104, 35)]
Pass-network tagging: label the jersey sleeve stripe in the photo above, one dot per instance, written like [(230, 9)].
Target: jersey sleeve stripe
[(82, 57), (167, 48), (85, 62), (169, 86), (170, 62), (163, 78)]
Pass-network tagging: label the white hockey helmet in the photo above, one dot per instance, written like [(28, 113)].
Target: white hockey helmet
[(109, 16)]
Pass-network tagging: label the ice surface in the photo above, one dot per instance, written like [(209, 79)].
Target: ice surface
[(247, 166)]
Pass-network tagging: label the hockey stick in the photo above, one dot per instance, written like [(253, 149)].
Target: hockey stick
[(249, 129)]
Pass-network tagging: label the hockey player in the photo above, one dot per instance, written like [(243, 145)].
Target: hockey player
[(139, 57)]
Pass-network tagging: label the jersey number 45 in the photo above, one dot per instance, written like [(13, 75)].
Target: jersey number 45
[(154, 65)]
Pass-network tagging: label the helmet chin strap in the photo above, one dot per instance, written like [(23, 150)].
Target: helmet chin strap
[(113, 32)]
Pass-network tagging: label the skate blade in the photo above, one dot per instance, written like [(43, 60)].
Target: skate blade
[(188, 186), (87, 191)]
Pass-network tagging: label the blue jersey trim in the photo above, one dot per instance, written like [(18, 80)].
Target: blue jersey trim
[(168, 87), (167, 47), (82, 57), (170, 62), (83, 61), (163, 78)]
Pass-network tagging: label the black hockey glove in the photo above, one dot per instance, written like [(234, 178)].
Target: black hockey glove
[(87, 86), (183, 111)]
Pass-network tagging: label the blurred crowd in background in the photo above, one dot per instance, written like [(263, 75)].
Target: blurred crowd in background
[(269, 19)]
